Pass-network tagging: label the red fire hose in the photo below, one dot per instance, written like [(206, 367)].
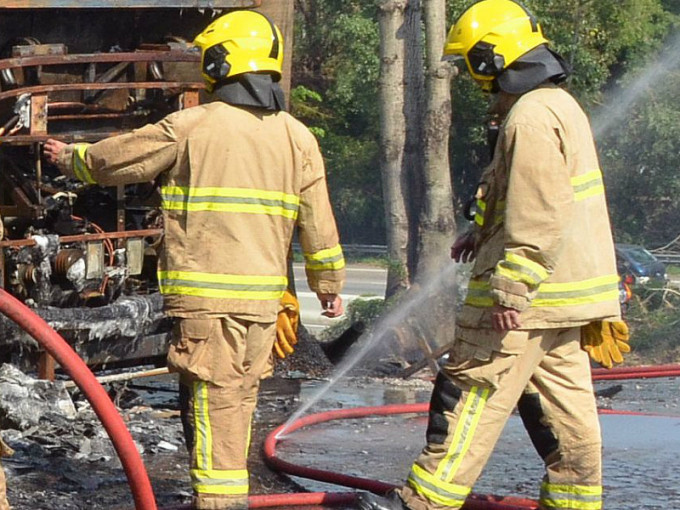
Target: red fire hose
[(137, 476), (603, 374), (474, 502), (62, 352)]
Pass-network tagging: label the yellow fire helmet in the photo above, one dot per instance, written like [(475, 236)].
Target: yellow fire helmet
[(490, 35), (240, 42)]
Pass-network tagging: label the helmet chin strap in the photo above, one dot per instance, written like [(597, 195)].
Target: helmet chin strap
[(252, 90)]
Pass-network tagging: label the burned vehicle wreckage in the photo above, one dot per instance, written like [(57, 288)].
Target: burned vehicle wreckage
[(83, 256)]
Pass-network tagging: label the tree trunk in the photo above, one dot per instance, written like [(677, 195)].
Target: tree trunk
[(436, 222), (393, 141), (413, 111), (282, 13)]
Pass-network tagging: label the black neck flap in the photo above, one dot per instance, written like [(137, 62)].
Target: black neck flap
[(532, 69), (252, 90)]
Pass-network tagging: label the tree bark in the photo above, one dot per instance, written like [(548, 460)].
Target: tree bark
[(393, 140), (436, 222), (282, 13), (414, 104)]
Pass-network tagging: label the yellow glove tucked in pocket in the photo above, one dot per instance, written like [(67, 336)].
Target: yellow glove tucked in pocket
[(287, 325), (605, 341)]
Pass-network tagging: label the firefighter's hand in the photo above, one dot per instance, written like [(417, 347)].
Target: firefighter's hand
[(463, 250), (504, 319), (287, 325), (605, 341), (51, 150), (331, 304)]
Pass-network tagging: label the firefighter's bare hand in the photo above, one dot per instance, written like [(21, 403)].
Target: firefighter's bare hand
[(505, 319), (51, 150), (331, 304), (463, 250)]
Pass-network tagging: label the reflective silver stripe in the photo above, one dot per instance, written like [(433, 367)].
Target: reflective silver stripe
[(222, 286), (226, 482), (234, 200), (202, 430), (587, 185), (329, 259), (571, 497), (464, 433), (437, 491)]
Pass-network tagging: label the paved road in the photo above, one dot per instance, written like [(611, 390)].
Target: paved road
[(362, 281)]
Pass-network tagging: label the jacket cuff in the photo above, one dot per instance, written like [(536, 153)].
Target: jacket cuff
[(326, 282), (65, 162), (510, 294)]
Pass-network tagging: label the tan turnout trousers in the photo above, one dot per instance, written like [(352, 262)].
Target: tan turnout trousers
[(4, 505), (220, 362), (474, 395), (5, 451)]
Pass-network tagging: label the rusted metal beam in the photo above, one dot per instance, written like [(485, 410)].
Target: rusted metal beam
[(38, 114), (87, 58), (73, 137), (98, 116), (127, 4), (44, 89), (149, 232), (46, 367)]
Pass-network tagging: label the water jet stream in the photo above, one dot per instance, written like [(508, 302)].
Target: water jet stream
[(443, 281)]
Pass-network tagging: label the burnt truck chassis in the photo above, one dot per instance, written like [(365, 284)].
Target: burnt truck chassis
[(84, 257)]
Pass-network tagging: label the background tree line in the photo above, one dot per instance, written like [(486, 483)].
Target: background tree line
[(618, 49)]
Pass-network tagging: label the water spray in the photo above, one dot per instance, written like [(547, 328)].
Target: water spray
[(443, 281)]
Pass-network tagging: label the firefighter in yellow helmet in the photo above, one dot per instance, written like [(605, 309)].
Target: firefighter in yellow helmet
[(543, 282), (238, 175)]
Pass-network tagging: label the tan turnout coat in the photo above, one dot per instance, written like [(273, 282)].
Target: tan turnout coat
[(235, 182), (542, 237)]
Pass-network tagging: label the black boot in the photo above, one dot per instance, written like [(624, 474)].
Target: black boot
[(370, 501)]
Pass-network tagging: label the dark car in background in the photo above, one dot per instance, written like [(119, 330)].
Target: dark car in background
[(637, 266)]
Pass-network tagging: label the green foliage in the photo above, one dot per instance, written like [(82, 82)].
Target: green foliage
[(639, 155), (362, 310), (654, 317), (336, 73)]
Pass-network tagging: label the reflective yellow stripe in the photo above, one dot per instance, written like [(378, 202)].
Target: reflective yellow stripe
[(479, 294), (329, 259), (437, 491), (571, 497), (236, 200), (205, 479), (521, 269), (80, 168), (587, 185), (499, 216), (479, 214), (222, 286), (202, 428), (216, 481), (464, 433), (595, 290)]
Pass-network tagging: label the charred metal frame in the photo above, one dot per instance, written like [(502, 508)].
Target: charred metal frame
[(87, 104), (129, 4), (41, 116)]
